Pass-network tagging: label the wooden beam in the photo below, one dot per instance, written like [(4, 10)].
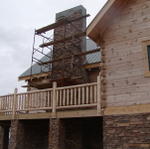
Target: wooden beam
[(60, 114), (57, 24), (63, 40), (133, 109), (90, 66)]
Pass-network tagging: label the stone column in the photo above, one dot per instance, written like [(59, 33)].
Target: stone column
[(13, 135), (16, 131), (56, 134)]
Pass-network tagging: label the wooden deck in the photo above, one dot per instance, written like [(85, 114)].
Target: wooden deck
[(70, 101)]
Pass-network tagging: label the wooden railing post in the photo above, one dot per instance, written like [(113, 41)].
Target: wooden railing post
[(98, 94), (54, 98), (14, 103)]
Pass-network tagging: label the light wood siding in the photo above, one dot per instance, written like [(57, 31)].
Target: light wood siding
[(125, 59)]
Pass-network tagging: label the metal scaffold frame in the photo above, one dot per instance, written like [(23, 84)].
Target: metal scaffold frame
[(48, 42)]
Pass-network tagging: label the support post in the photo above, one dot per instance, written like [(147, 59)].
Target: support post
[(56, 134), (99, 94), (14, 103), (54, 99)]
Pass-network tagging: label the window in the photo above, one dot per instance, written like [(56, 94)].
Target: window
[(146, 47), (148, 56)]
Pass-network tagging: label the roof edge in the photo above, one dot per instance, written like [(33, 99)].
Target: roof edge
[(98, 17)]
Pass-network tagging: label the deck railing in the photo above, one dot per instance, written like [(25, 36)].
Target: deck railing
[(52, 100)]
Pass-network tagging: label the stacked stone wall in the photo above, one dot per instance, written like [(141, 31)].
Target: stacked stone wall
[(127, 131)]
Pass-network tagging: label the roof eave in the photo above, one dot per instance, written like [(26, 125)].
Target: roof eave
[(92, 29), (28, 77), (104, 19)]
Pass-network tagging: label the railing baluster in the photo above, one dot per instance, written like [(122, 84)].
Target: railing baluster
[(14, 103), (54, 98), (87, 94), (57, 97), (95, 93), (18, 101), (34, 97), (60, 97), (21, 101), (38, 100), (28, 101), (98, 95), (71, 97), (64, 98), (79, 95), (68, 97), (75, 96), (48, 99), (83, 95), (9, 103), (44, 99), (34, 101), (41, 99), (91, 100)]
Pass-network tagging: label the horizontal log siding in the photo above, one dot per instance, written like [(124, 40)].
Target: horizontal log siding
[(125, 59)]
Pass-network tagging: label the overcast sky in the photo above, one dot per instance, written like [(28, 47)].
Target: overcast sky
[(19, 18)]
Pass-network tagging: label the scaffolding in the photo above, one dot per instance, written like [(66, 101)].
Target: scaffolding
[(43, 46)]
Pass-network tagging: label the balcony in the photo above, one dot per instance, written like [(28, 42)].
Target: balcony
[(71, 101)]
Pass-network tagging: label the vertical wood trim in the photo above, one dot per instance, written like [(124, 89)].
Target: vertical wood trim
[(54, 98), (87, 95), (68, 97), (64, 97), (48, 99), (83, 95), (95, 93), (14, 103), (102, 78), (57, 97), (91, 100), (75, 96), (98, 95), (71, 98), (79, 96)]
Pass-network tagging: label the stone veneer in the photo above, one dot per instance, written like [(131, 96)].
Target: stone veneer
[(14, 133), (119, 132), (127, 131), (31, 134), (70, 68), (56, 134)]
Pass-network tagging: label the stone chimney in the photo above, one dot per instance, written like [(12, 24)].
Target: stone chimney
[(70, 69)]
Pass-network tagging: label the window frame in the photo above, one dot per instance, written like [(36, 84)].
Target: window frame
[(146, 59)]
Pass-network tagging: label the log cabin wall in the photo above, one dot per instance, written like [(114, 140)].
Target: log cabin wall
[(126, 83)]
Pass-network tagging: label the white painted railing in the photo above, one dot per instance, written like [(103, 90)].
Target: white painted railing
[(52, 100)]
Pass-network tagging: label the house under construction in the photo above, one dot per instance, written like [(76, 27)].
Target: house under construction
[(77, 97)]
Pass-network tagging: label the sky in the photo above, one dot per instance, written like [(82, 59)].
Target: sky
[(19, 19)]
